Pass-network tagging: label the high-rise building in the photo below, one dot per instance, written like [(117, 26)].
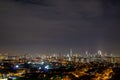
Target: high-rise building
[(99, 52), (71, 53)]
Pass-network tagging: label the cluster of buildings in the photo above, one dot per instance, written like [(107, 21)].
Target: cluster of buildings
[(48, 65), (86, 58)]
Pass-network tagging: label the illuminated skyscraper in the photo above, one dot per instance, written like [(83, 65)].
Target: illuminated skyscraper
[(99, 52), (71, 53), (87, 54)]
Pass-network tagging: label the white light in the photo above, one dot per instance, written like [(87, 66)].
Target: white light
[(39, 68), (47, 67), (2, 64), (4, 79), (12, 77), (17, 66), (33, 63), (29, 62), (42, 63)]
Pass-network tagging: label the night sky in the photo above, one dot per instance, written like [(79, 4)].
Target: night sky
[(28, 26)]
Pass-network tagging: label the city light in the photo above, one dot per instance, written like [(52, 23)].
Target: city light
[(17, 66), (94, 66)]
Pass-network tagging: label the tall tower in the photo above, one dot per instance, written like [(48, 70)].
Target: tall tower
[(71, 53), (86, 54), (99, 52)]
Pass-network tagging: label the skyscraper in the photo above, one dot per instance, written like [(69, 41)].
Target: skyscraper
[(71, 53)]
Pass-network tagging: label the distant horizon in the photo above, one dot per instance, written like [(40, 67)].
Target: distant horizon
[(50, 51)]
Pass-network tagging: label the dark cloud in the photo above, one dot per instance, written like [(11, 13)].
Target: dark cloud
[(60, 23)]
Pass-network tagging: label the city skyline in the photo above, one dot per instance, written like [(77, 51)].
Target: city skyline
[(55, 25)]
